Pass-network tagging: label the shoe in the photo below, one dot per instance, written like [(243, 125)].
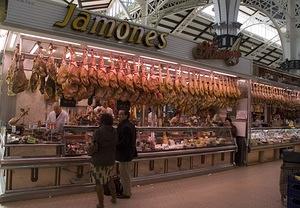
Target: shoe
[(98, 206), (123, 197)]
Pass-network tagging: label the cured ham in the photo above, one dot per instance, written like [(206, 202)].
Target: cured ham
[(124, 80)]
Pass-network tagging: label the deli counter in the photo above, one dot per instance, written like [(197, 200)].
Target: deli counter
[(267, 143), (59, 165)]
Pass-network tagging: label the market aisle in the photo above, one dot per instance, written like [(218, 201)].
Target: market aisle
[(251, 187)]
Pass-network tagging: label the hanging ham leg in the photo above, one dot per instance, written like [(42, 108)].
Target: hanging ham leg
[(11, 71), (71, 86), (52, 71), (20, 82), (93, 74)]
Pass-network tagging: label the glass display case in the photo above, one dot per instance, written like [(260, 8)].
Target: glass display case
[(77, 138), (267, 143), (158, 139), (155, 139), (30, 166), (271, 136)]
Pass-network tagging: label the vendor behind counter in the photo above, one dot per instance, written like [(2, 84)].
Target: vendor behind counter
[(57, 118)]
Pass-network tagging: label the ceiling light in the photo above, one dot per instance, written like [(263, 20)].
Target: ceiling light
[(89, 55), (13, 40), (3, 37), (51, 39), (230, 75), (68, 55), (146, 57), (34, 48), (195, 67), (105, 49)]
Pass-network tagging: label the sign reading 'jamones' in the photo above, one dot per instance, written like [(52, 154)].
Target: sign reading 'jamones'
[(109, 28)]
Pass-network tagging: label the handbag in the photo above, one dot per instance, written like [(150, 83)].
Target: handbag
[(119, 188)]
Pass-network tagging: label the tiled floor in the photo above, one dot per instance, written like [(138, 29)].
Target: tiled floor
[(250, 187)]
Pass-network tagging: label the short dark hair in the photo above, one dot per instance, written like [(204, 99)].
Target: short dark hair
[(228, 119), (106, 119)]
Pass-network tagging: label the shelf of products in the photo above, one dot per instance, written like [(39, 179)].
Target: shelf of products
[(156, 139), (272, 136), (266, 143), (77, 138), (151, 139)]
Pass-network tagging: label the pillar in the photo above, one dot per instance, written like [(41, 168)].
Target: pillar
[(291, 41), (226, 25)]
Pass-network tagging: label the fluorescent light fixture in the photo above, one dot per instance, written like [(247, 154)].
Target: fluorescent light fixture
[(13, 40), (78, 53), (34, 49), (68, 55), (51, 39), (53, 51), (230, 75), (146, 57), (105, 49), (184, 65), (3, 37), (89, 55)]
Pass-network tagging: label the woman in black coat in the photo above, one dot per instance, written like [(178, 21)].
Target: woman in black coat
[(103, 158)]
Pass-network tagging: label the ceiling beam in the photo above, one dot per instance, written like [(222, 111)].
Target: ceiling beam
[(245, 40), (96, 6), (80, 3), (274, 60), (203, 31), (254, 49), (182, 21)]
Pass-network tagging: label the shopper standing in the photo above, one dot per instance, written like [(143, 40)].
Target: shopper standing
[(126, 151), (103, 157), (240, 142)]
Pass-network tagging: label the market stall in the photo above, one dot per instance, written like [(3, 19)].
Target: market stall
[(147, 71), (274, 117)]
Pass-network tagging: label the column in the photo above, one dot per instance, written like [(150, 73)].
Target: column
[(226, 25), (291, 41)]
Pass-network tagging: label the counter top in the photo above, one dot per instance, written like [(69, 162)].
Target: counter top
[(273, 146), (19, 162), (34, 145), (272, 128)]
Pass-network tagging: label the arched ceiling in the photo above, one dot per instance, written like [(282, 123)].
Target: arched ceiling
[(186, 19)]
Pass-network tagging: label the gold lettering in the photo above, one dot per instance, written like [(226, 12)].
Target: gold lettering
[(104, 26), (122, 31), (150, 36), (70, 12), (137, 34), (162, 41), (81, 22)]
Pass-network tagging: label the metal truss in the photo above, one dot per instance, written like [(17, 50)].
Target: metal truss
[(263, 47), (186, 21), (157, 9), (276, 10)]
